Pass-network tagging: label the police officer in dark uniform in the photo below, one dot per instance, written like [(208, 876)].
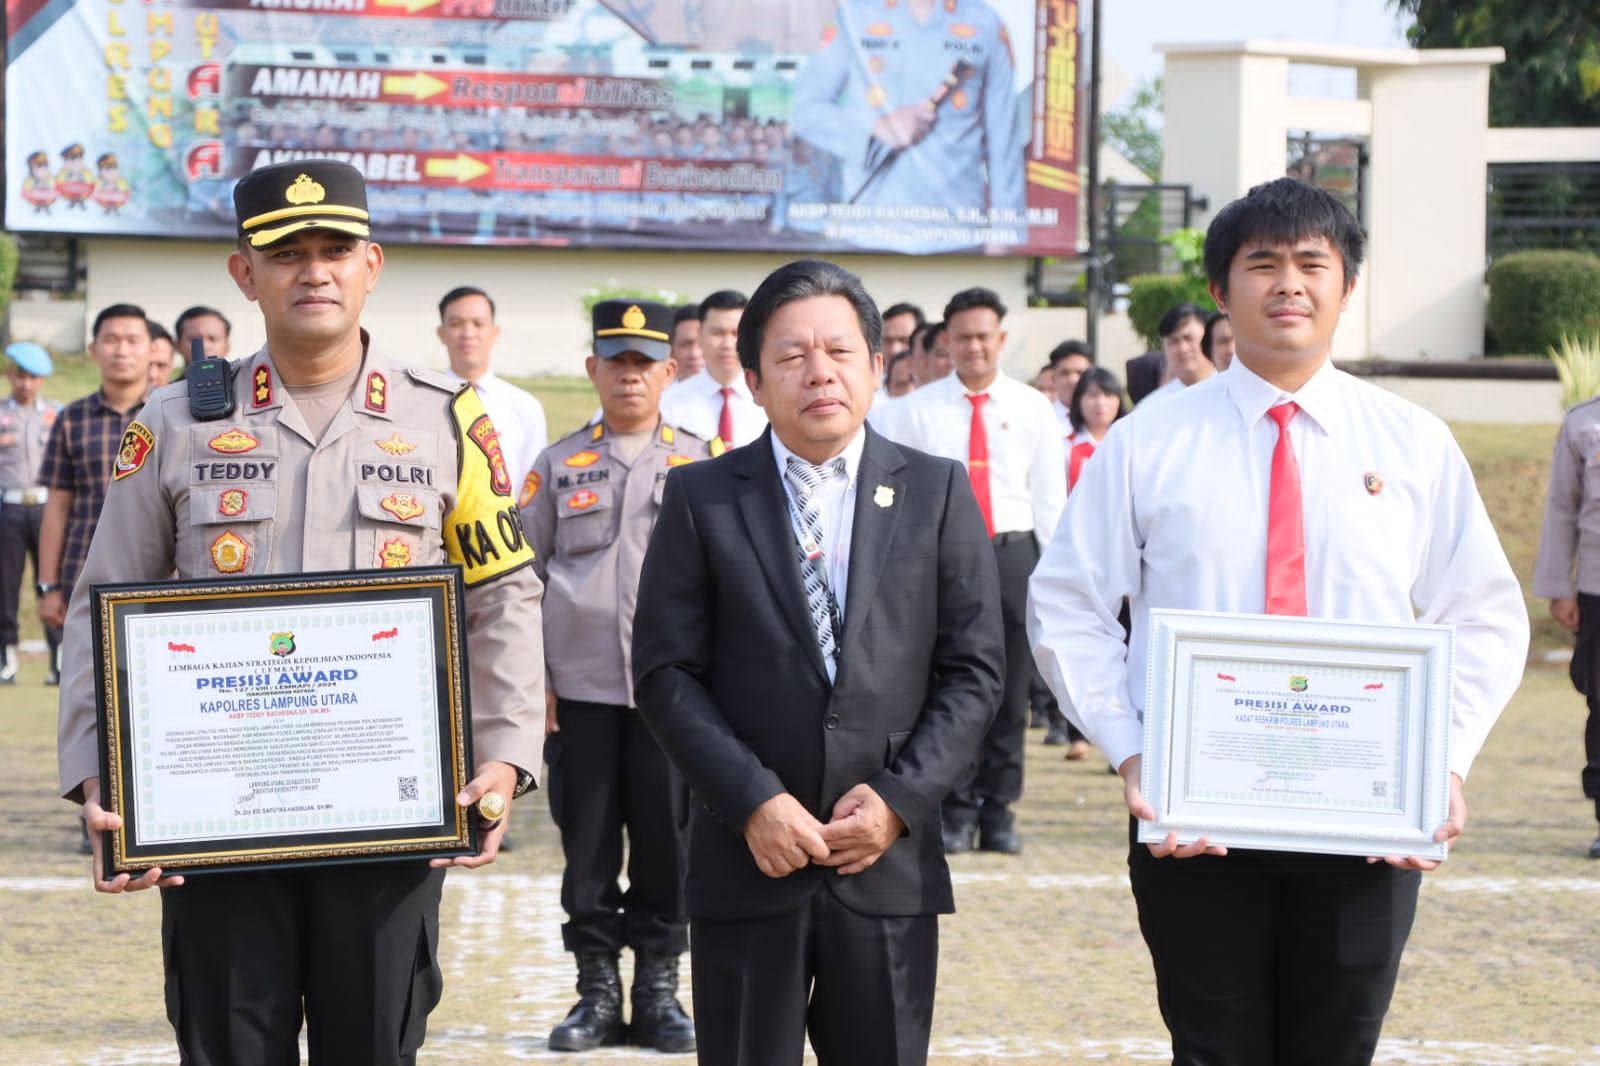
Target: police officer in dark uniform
[(589, 506)]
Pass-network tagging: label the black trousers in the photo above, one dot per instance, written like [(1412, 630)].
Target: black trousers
[(985, 793), (352, 949), (608, 776), (1585, 673), (862, 986), (1269, 958), (19, 543)]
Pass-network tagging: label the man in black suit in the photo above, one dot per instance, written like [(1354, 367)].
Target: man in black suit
[(820, 653)]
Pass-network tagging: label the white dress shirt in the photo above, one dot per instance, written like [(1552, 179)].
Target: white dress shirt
[(836, 499), (1167, 391), (1172, 512), (696, 405), (1063, 415), (518, 420), (1027, 483)]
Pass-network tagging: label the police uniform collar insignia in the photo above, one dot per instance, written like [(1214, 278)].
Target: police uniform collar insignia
[(234, 442), (395, 445), (229, 553), (883, 496), (1372, 481), (261, 387), (377, 392), (599, 431), (668, 436)]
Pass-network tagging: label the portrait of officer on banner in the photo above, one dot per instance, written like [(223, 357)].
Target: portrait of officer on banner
[(917, 99)]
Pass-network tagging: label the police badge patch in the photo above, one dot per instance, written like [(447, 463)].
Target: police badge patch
[(137, 445)]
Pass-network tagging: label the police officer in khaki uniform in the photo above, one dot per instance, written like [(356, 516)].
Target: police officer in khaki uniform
[(589, 505), (25, 421), (332, 457)]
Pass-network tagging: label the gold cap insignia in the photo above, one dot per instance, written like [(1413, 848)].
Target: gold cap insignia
[(305, 191), (633, 318)]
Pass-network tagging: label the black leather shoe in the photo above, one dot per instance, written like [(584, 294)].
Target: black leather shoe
[(1005, 841), (959, 838), (658, 1018), (1037, 719), (1594, 849), (596, 1019)]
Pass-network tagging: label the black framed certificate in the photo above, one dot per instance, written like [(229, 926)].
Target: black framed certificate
[(1298, 734), (284, 720)]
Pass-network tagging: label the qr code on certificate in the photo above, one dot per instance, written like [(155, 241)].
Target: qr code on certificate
[(408, 789), (1380, 790)]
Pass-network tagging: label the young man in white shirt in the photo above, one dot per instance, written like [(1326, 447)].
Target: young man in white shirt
[(468, 331), (1264, 956), (717, 402), (1182, 330), (1007, 436)]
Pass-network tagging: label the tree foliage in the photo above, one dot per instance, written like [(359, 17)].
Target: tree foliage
[(1551, 76), (1135, 130)]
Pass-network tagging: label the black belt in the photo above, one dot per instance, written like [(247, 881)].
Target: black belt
[(1007, 538)]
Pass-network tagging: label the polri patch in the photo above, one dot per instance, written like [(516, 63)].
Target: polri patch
[(488, 441), (232, 502), (138, 443), (530, 489)]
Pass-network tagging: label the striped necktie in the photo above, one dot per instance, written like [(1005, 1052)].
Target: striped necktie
[(805, 480)]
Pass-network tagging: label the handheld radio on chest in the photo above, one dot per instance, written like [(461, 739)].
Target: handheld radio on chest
[(210, 385)]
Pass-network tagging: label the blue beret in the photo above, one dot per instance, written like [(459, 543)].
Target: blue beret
[(31, 358)]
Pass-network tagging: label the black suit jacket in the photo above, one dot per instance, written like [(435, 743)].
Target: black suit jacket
[(1144, 375), (729, 678)]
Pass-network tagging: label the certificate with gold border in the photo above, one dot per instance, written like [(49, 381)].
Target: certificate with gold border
[(283, 720), (1297, 734)]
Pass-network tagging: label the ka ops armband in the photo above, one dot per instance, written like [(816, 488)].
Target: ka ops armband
[(483, 534)]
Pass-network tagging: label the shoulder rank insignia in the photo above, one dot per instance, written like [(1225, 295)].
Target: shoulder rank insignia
[(234, 442), (403, 505), (484, 436), (530, 489), (261, 388), (717, 447), (377, 392), (232, 502), (599, 431), (582, 459), (137, 444), (669, 436), (395, 446), (229, 553), (679, 460), (394, 554), (582, 500)]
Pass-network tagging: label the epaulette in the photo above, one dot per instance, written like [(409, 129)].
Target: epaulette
[(437, 378), (585, 431), (714, 444)]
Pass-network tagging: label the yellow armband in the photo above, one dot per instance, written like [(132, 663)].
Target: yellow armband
[(483, 533)]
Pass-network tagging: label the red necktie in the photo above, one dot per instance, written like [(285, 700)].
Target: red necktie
[(725, 422), (1286, 530), (978, 460)]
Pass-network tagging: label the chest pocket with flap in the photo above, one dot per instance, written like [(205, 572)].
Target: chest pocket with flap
[(398, 526), (586, 519)]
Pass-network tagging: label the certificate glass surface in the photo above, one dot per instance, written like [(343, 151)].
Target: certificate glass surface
[(283, 720), (1297, 734)]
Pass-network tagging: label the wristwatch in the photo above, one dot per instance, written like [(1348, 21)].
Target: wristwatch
[(524, 782), (45, 588)]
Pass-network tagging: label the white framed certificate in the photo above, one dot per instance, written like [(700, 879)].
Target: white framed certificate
[(284, 720), (1297, 734)]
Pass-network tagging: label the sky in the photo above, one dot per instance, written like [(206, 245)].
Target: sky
[(1134, 27)]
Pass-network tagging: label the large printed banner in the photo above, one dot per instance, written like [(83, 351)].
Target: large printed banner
[(863, 125)]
